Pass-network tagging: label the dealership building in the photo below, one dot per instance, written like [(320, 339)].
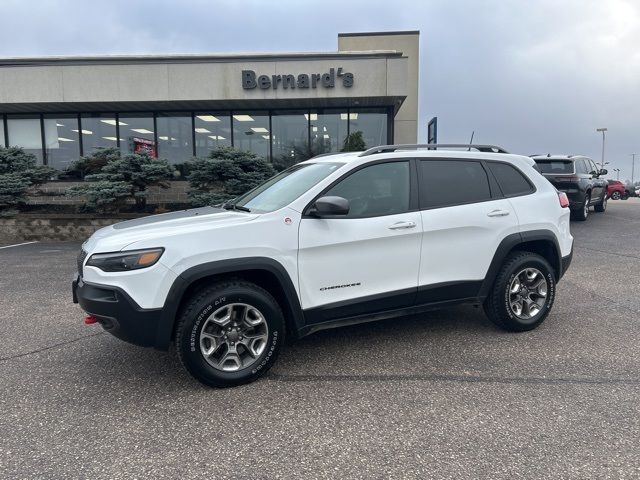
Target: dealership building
[(284, 107)]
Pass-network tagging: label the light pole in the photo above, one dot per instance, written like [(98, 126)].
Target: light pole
[(617, 170), (633, 166), (602, 130)]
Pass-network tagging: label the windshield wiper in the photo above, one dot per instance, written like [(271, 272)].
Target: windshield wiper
[(233, 206)]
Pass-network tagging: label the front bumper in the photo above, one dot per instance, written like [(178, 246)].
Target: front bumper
[(118, 313)]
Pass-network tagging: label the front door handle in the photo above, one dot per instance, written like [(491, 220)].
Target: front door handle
[(401, 225), (498, 213)]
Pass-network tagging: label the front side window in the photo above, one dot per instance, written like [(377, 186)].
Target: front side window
[(377, 190), (511, 181), (452, 182), (285, 187)]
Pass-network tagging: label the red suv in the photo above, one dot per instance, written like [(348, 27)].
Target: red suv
[(616, 190)]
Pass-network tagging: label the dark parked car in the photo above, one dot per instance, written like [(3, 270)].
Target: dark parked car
[(579, 178), (617, 190)]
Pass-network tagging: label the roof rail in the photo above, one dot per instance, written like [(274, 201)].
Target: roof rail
[(432, 146)]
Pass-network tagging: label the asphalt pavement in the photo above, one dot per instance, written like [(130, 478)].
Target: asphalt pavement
[(439, 395)]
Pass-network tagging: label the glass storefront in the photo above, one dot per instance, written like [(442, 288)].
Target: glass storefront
[(290, 140), (212, 130), (26, 131), (137, 133), (175, 137), (251, 132), (284, 137), (61, 140), (98, 131)]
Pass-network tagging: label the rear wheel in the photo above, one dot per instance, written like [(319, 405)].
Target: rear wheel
[(616, 196), (602, 206), (230, 333), (523, 293), (582, 213)]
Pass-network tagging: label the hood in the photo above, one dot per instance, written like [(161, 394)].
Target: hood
[(119, 235)]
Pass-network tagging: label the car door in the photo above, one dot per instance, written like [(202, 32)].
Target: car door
[(464, 219), (368, 260), (599, 184)]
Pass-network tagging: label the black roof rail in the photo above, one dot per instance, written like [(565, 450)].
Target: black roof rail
[(432, 146)]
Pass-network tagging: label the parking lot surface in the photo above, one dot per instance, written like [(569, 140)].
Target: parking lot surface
[(439, 395)]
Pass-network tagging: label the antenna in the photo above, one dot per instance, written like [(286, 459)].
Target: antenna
[(473, 132)]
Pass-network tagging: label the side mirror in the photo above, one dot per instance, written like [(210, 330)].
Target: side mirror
[(330, 206), (603, 171)]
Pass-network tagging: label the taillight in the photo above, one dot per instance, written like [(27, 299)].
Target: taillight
[(564, 200)]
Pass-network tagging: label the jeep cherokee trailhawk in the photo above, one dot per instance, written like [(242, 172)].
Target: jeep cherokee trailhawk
[(338, 239)]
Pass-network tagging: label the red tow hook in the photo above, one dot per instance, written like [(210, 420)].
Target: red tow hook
[(90, 320)]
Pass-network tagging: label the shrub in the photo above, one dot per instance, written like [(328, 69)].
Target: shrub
[(123, 178), (354, 142), (92, 164), (225, 174), (19, 172)]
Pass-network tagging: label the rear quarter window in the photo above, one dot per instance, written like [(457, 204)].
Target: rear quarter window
[(512, 182)]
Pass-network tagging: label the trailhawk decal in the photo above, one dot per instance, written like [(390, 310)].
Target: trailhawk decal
[(346, 285)]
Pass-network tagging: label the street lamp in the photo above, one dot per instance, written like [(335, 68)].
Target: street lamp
[(617, 170), (633, 165), (602, 130)]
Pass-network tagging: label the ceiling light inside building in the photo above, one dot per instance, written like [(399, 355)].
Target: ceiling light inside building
[(259, 129), (62, 139), (352, 116), (202, 130), (167, 138), (112, 139), (216, 137), (84, 132), (59, 124), (314, 116), (208, 118), (326, 136), (243, 118), (113, 122), (266, 137), (142, 130)]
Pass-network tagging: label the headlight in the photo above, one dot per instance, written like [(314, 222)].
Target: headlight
[(125, 261)]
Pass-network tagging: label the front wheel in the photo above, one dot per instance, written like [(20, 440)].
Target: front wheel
[(229, 333), (522, 294), (616, 196)]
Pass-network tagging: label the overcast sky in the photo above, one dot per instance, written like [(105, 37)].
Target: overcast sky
[(534, 76)]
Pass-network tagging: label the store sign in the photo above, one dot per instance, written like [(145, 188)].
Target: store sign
[(142, 145), (303, 80)]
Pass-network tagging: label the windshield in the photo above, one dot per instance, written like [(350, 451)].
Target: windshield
[(285, 187), (555, 166)]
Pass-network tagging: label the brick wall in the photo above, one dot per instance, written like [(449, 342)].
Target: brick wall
[(53, 193)]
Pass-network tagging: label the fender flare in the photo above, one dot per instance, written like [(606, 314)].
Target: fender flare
[(509, 243), (228, 266)]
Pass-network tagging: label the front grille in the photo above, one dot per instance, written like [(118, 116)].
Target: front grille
[(81, 256)]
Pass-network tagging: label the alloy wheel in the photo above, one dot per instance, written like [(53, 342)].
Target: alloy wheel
[(528, 293), (233, 337)]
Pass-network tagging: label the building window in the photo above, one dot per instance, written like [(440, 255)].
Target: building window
[(373, 125), (26, 132), (290, 141), (212, 130), (175, 140), (137, 133), (328, 131), (2, 139), (61, 140), (251, 132), (98, 131)]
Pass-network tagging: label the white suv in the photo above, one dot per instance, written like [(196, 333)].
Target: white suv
[(338, 239)]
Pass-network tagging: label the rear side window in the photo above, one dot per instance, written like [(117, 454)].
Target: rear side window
[(555, 166), (511, 181), (452, 182)]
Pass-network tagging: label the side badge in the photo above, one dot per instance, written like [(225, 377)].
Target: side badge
[(288, 221)]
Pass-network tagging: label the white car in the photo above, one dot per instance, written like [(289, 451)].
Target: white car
[(335, 240)]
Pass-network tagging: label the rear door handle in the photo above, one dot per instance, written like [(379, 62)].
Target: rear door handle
[(401, 225), (498, 213)]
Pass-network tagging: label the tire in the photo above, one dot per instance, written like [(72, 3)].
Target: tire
[(499, 305), (602, 206), (230, 333), (616, 196), (582, 213)]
